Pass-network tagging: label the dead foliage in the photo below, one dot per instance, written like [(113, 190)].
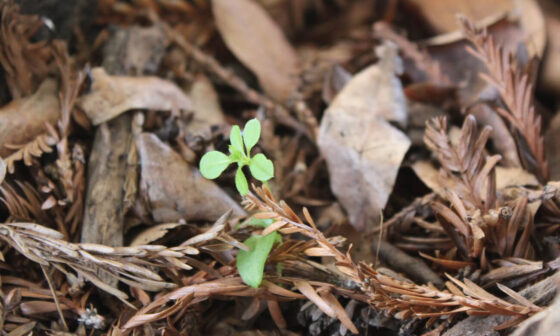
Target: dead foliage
[(344, 100)]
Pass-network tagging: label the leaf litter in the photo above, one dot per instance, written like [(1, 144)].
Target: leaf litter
[(408, 168)]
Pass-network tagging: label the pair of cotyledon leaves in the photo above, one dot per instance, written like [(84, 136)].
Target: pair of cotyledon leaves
[(214, 163)]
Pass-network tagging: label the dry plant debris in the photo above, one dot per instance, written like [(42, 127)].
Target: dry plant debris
[(390, 141)]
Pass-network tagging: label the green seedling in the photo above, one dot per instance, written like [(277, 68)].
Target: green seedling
[(214, 163), (250, 264)]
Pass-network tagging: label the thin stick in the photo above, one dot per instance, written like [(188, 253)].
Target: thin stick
[(55, 298), (418, 203)]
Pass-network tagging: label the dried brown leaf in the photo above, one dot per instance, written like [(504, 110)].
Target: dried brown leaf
[(174, 189), (113, 95), (259, 44), (363, 151), (24, 119)]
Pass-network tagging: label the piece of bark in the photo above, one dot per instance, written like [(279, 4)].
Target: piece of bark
[(174, 189), (540, 293), (103, 217), (107, 168), (546, 322), (399, 261)]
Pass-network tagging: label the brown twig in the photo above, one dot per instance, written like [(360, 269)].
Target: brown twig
[(280, 113), (399, 261), (418, 203)]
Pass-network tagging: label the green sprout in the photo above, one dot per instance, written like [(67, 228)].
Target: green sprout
[(214, 163), (250, 264)]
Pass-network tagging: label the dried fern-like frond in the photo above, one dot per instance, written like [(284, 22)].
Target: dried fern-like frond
[(401, 299), (131, 265), (465, 162), (35, 148), (24, 205), (516, 92), (25, 63), (71, 81)]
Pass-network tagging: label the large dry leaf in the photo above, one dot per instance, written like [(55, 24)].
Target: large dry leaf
[(362, 149), (441, 15), (113, 95), (23, 119), (174, 189), (260, 45), (525, 37)]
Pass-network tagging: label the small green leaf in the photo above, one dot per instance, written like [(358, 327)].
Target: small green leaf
[(261, 168), (241, 182), (260, 222), (213, 164), (251, 134), (235, 138), (250, 264)]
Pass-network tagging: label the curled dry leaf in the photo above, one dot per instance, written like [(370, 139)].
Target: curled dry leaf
[(113, 95), (174, 189), (258, 42), (23, 119), (362, 149)]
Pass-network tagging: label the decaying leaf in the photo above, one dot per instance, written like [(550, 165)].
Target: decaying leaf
[(174, 189), (205, 105), (113, 95), (363, 151), (23, 119), (259, 44)]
